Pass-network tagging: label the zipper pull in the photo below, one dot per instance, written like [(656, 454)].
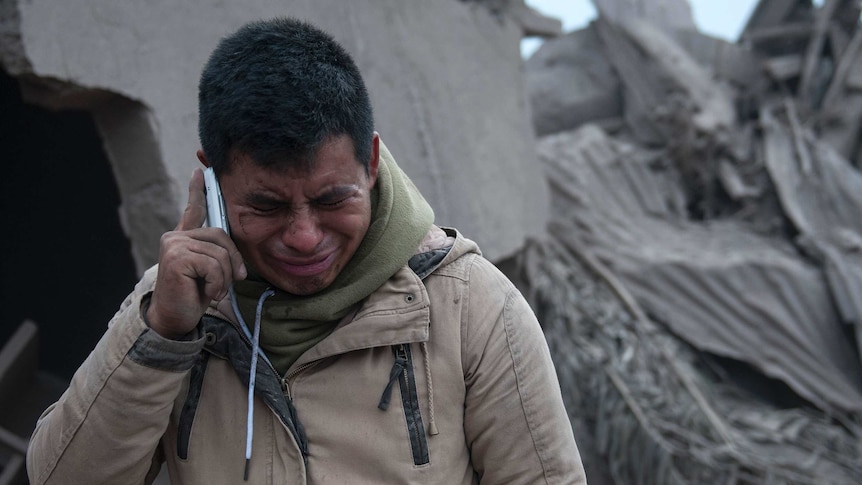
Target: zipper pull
[(285, 388), (397, 368)]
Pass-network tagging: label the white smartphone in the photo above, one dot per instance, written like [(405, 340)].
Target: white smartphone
[(216, 214)]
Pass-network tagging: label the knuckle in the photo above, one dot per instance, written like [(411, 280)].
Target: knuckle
[(165, 238)]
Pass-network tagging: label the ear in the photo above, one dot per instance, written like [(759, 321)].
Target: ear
[(374, 162), (203, 158)]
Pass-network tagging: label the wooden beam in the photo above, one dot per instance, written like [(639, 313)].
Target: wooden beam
[(796, 30), (769, 13), (814, 51), (848, 57)]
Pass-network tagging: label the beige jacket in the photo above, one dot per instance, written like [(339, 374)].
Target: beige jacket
[(457, 354)]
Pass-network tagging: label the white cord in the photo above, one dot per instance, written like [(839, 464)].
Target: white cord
[(255, 351)]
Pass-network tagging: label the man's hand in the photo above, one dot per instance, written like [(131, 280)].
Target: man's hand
[(196, 265)]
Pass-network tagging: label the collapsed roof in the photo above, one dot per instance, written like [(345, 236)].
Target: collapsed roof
[(717, 185)]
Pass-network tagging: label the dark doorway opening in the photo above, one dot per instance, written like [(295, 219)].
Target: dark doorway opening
[(66, 261)]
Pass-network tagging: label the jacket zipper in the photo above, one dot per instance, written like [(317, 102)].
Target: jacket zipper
[(417, 435), (409, 399), (248, 342), (285, 381), (410, 403)]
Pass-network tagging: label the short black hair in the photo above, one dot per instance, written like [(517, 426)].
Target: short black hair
[(276, 90)]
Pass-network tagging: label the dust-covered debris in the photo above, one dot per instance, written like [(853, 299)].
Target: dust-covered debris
[(713, 191)]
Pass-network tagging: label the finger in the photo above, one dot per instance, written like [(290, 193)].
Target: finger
[(203, 254), (216, 285), (196, 210), (239, 270), (184, 288), (215, 267), (233, 263), (230, 258)]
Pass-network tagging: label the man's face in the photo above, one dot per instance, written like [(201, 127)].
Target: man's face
[(299, 228)]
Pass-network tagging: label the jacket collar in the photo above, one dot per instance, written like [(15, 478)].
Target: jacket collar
[(372, 325)]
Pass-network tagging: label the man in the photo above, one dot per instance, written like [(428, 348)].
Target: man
[(381, 348)]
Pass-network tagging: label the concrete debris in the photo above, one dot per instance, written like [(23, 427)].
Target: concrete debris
[(572, 61), (724, 60), (647, 407), (721, 286), (724, 209)]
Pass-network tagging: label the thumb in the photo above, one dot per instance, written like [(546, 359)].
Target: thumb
[(196, 211)]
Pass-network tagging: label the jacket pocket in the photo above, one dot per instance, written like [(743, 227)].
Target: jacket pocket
[(402, 371)]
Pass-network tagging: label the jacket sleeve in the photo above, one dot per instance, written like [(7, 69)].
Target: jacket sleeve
[(107, 425), (516, 425)]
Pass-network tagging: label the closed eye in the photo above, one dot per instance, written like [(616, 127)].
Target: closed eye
[(336, 197), (264, 210), (332, 203), (262, 204)]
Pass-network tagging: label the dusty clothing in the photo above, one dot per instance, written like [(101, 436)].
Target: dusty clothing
[(442, 375)]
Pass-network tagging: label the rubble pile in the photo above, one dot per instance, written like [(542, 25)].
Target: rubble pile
[(701, 285)]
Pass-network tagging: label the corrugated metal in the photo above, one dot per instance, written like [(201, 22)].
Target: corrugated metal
[(718, 285), (822, 195)]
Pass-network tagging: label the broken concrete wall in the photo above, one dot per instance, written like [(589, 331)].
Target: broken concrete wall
[(634, 71), (449, 102)]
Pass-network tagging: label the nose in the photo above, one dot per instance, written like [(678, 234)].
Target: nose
[(302, 233)]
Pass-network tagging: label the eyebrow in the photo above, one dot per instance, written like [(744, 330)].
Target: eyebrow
[(332, 193), (337, 192)]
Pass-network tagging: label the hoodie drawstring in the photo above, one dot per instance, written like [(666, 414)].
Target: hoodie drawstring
[(397, 368), (432, 425), (255, 351)]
